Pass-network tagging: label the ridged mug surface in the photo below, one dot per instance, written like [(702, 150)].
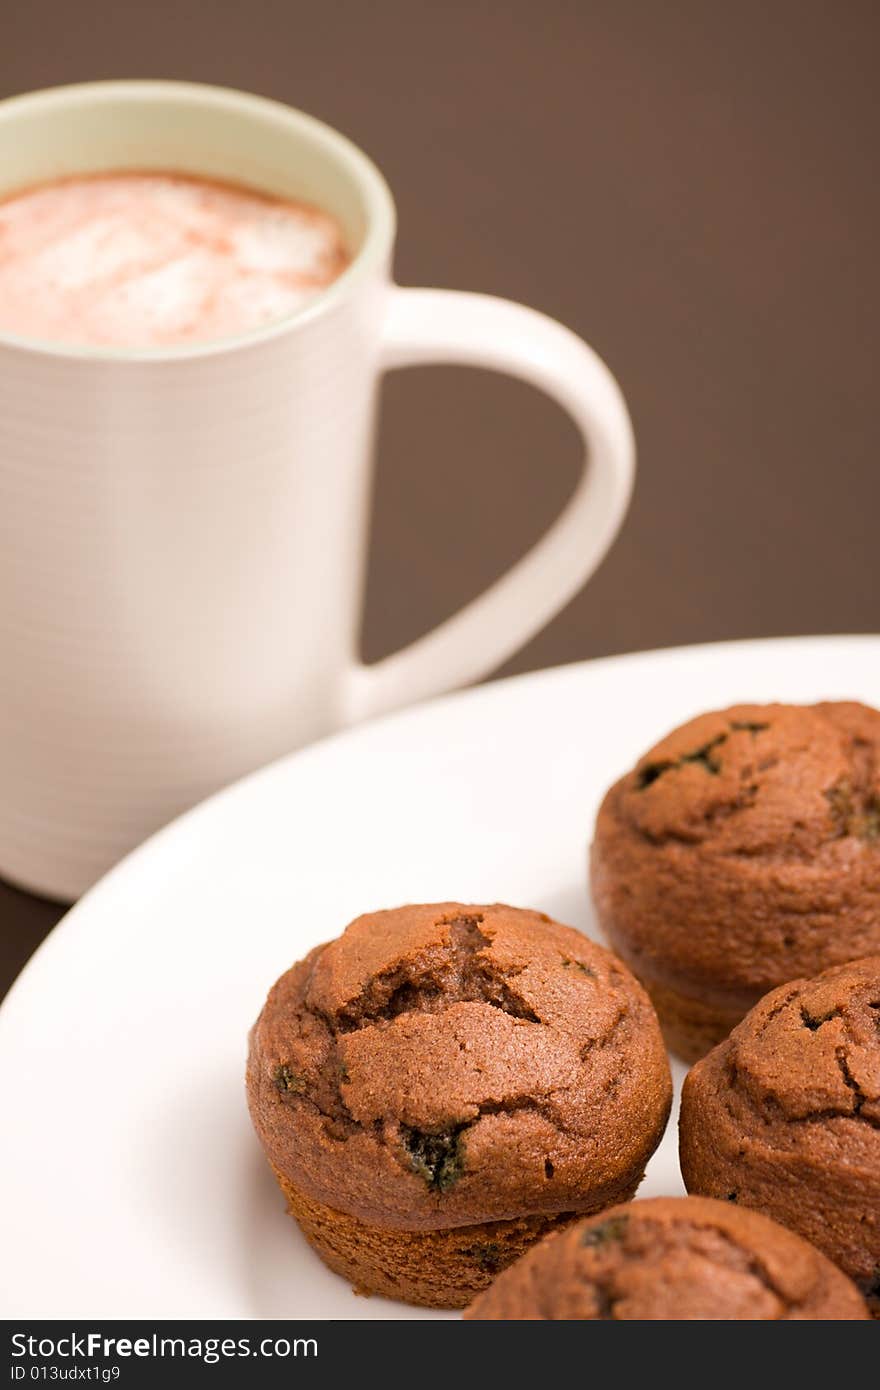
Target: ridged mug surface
[(183, 530)]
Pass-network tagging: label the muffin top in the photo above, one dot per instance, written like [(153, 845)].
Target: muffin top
[(675, 1259), (784, 781), (802, 1070), (443, 1065), (744, 849)]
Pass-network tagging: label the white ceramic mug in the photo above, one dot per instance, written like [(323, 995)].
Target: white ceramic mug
[(183, 532)]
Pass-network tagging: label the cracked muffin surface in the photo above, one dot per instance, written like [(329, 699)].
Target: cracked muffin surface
[(444, 1066), (784, 1116), (742, 850), (672, 1259)]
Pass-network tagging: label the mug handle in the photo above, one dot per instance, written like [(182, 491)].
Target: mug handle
[(477, 330)]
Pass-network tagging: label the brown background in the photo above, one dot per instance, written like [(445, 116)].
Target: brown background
[(691, 186)]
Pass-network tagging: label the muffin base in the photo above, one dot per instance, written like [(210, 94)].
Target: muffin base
[(432, 1269), (690, 1027)]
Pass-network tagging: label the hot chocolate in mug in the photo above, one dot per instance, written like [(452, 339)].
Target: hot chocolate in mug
[(184, 529)]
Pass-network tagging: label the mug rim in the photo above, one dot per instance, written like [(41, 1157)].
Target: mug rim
[(372, 253)]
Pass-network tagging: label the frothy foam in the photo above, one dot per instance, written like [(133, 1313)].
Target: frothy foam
[(152, 260)]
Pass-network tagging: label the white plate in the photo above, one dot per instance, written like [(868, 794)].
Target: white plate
[(130, 1181)]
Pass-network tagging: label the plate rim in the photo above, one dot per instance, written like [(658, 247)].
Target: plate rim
[(486, 690)]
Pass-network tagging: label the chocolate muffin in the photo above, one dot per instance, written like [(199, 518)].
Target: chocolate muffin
[(442, 1085), (784, 1116), (742, 851), (672, 1259)]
